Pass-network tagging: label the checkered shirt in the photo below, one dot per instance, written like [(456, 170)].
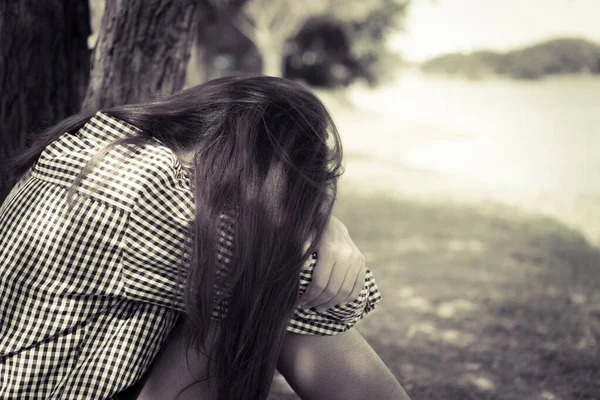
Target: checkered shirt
[(89, 292)]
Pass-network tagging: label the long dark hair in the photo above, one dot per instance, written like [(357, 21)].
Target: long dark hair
[(267, 154)]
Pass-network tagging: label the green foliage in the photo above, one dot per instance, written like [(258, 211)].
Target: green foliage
[(555, 57)]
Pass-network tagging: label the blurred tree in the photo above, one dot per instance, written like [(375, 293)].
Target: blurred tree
[(254, 36), (369, 33), (321, 55), (142, 51), (44, 68), (552, 57), (348, 43), (220, 48), (270, 23)]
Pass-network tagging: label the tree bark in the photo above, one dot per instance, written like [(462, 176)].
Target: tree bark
[(44, 68), (142, 51), (271, 49)]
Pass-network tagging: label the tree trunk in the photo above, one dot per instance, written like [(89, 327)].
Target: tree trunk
[(272, 62), (271, 52), (142, 51), (44, 67), (271, 49), (198, 67)]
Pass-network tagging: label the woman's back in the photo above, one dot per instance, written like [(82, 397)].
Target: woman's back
[(70, 272)]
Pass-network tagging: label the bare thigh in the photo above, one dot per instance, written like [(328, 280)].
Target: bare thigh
[(177, 373)]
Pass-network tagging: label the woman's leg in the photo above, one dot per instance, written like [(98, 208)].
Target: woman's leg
[(177, 373)]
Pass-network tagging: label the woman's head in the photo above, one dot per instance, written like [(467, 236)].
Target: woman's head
[(186, 119), (267, 155), (272, 132)]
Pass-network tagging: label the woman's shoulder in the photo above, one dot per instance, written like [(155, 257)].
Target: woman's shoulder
[(116, 174), (104, 129)]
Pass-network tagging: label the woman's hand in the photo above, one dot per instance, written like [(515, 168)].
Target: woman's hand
[(339, 275)]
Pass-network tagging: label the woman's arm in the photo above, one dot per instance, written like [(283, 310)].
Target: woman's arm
[(343, 367)]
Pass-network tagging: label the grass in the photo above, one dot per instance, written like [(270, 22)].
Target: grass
[(479, 302)]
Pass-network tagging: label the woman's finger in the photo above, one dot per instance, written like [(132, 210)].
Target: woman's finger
[(341, 260), (332, 291), (332, 288), (359, 284), (346, 288), (320, 278), (342, 265)]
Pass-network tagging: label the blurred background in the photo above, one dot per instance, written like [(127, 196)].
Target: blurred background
[(471, 138)]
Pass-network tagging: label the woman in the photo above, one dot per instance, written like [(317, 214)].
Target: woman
[(210, 203)]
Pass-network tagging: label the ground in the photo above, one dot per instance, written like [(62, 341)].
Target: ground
[(479, 302)]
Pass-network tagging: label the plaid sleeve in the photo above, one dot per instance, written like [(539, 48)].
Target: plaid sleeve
[(339, 318), (156, 243)]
